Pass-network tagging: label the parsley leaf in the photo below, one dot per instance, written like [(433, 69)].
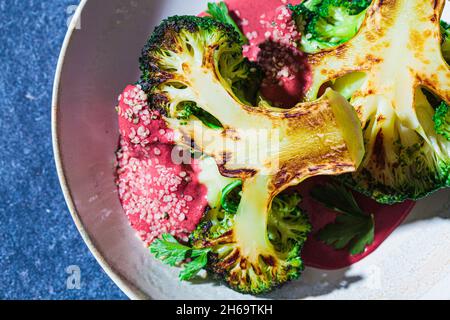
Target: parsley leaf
[(193, 268), (349, 231), (219, 11), (171, 252), (336, 197), (353, 228)]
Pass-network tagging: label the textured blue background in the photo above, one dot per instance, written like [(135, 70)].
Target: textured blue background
[(38, 238)]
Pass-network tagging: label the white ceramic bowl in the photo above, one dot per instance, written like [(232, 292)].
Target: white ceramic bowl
[(96, 63)]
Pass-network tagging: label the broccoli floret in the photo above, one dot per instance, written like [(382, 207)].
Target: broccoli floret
[(396, 89), (442, 120), (445, 30), (277, 249), (326, 24), (191, 70), (184, 41), (288, 225)]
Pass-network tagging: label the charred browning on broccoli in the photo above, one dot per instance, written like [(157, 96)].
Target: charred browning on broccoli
[(378, 149)]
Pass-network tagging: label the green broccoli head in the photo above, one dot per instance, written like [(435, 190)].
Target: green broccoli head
[(183, 43), (442, 120), (304, 12), (326, 24), (445, 31), (286, 231), (288, 225)]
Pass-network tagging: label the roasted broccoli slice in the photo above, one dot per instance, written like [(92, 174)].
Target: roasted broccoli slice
[(392, 71), (286, 231), (326, 24), (181, 42), (196, 64), (445, 31)]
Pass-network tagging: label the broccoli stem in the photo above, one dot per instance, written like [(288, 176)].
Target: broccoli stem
[(251, 219)]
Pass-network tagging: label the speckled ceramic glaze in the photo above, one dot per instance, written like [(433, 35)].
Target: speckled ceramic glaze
[(98, 60)]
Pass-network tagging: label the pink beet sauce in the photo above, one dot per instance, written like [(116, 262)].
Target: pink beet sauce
[(159, 196), (273, 40)]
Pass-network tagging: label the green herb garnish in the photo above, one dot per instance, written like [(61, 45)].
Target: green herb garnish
[(353, 228), (171, 252)]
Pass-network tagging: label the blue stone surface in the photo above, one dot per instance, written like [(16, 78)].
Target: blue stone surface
[(38, 239)]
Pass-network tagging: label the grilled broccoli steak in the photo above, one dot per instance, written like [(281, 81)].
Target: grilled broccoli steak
[(287, 229), (254, 241), (182, 39), (390, 72)]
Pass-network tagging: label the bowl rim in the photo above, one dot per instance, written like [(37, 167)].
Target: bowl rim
[(124, 284)]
